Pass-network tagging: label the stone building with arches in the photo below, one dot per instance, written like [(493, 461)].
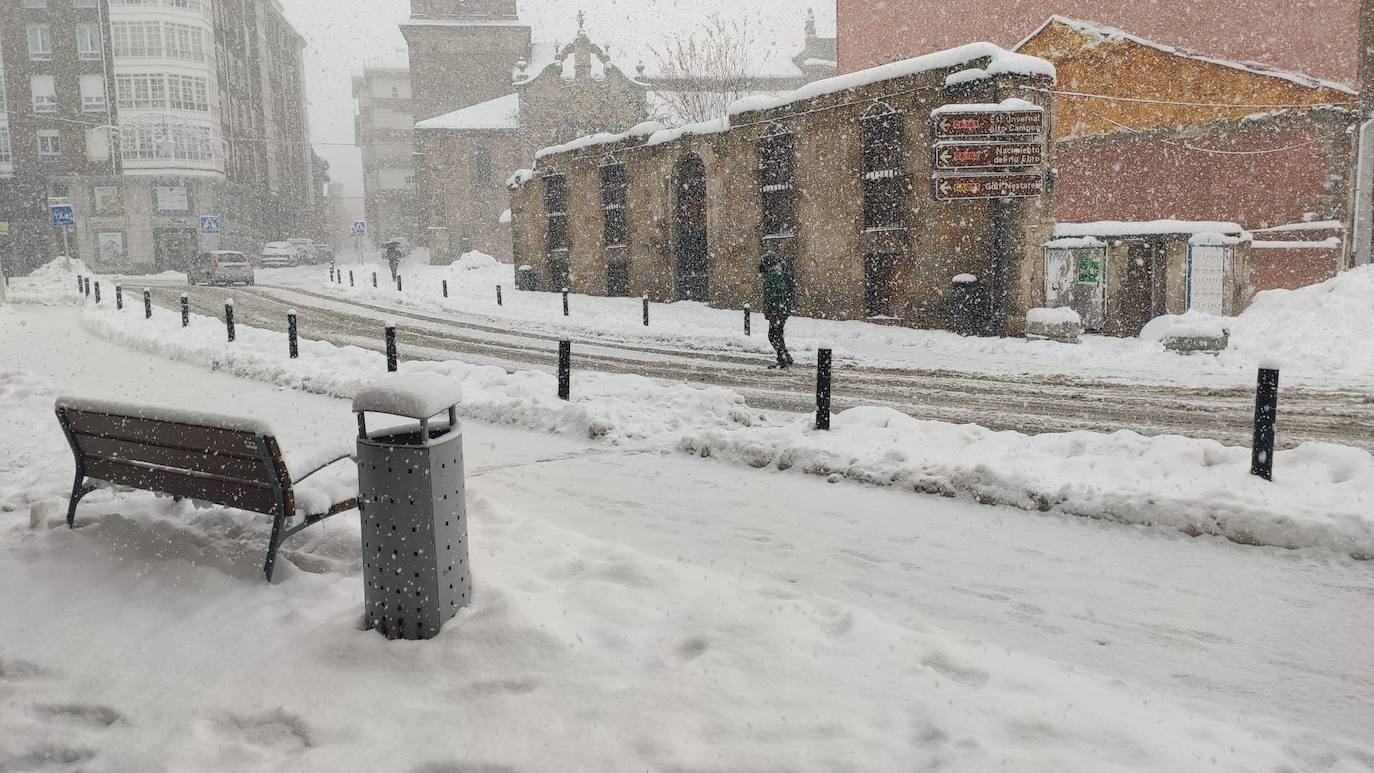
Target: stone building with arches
[(835, 177)]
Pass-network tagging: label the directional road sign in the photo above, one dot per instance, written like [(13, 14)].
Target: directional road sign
[(209, 225), (62, 212), (951, 124), (988, 186), (980, 155)]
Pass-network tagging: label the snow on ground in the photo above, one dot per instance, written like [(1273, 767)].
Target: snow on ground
[(1323, 495), (51, 284), (1318, 331), (146, 640)]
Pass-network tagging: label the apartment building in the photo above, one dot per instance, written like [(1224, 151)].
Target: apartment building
[(384, 127)]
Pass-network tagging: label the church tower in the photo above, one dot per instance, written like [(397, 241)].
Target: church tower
[(462, 52)]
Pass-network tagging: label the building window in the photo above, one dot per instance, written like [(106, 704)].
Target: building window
[(35, 3), (613, 186), (184, 42), (395, 92), (556, 210), (136, 38), (144, 91), (88, 44), (885, 184), (187, 92), (481, 167), (5, 156), (777, 168), (49, 145), (84, 3), (44, 93), (108, 200), (40, 42), (93, 94)]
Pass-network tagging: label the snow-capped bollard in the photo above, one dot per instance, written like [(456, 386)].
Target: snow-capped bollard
[(97, 292), (391, 363), (565, 370), (119, 297), (498, 296), (748, 313), (148, 303), (413, 504), (398, 283), (1266, 413), (88, 287), (565, 301), (646, 311), (229, 318), (291, 341), (445, 284), (823, 388), (185, 308), (80, 284), (331, 273), (374, 280), (350, 278)]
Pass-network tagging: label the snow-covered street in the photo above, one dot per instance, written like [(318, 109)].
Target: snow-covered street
[(637, 608)]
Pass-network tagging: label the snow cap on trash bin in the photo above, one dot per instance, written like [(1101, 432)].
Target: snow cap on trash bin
[(410, 395)]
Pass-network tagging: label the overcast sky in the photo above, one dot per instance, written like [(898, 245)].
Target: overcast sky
[(344, 35)]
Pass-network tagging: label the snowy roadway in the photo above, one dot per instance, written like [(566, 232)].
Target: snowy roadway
[(1029, 404), (132, 635)]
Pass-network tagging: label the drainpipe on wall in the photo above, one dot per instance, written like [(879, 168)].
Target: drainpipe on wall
[(1363, 226)]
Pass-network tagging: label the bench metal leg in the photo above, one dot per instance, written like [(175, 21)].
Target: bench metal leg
[(79, 490), (278, 537)]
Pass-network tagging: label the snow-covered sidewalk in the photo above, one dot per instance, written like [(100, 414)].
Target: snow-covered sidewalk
[(146, 640), (1323, 495)]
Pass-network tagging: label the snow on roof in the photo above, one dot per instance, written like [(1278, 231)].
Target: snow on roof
[(646, 129), (1214, 239), (1315, 225), (410, 395), (1074, 243), (1145, 228), (1112, 34), (1002, 62), (499, 113), (1325, 244), (714, 126), (1009, 105)]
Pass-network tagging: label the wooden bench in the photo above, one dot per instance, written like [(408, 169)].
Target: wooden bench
[(222, 460)]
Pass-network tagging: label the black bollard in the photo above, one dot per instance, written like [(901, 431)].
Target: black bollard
[(747, 320), (185, 310), (119, 297), (1266, 413), (350, 278), (331, 273), (564, 370), (97, 292), (229, 318), (398, 283), (499, 302), (147, 303), (445, 283), (565, 301), (80, 284), (646, 311), (374, 280), (822, 389), (391, 347), (88, 287), (291, 343)]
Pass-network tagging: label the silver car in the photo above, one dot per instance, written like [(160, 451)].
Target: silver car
[(221, 267)]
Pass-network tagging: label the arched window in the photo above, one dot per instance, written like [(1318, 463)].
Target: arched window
[(556, 211), (885, 184), (777, 152), (613, 187)]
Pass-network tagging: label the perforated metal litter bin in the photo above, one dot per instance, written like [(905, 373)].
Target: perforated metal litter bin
[(412, 498)]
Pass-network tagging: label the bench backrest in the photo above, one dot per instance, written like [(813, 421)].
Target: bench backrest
[(231, 462)]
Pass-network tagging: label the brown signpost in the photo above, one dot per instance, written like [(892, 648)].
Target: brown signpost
[(977, 155), (988, 186), (954, 125)]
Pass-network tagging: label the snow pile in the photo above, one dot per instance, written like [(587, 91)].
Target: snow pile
[(1324, 328), (1322, 496), (1191, 324), (1061, 315), (477, 261), (53, 284), (604, 406)]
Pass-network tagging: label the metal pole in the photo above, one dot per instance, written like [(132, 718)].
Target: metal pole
[(445, 282), (185, 310), (646, 311), (499, 301), (391, 347), (66, 245), (374, 280), (229, 318), (358, 245), (147, 303), (398, 283), (88, 287), (822, 389), (747, 314), (1266, 413), (97, 292), (565, 301), (80, 284), (291, 331), (119, 297), (564, 370), (1001, 266), (350, 278)]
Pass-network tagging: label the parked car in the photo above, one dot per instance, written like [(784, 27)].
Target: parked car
[(279, 255), (306, 249), (324, 253), (222, 267)]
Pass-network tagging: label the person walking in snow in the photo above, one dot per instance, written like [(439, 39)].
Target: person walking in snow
[(393, 258), (778, 292)]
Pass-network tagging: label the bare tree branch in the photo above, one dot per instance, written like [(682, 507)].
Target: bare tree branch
[(702, 73)]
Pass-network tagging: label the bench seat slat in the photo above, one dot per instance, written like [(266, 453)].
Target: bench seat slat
[(186, 437), (224, 466), (243, 495)]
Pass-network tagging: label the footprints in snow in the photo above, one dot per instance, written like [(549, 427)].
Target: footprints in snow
[(277, 730), (90, 714)]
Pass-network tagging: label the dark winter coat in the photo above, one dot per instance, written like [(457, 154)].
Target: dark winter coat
[(778, 294)]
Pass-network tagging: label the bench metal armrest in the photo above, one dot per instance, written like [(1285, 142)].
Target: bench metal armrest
[(351, 457)]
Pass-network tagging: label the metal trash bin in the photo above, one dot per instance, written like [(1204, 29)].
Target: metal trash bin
[(526, 279), (967, 306), (411, 495)]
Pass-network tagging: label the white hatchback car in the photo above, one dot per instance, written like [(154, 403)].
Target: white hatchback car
[(279, 255)]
